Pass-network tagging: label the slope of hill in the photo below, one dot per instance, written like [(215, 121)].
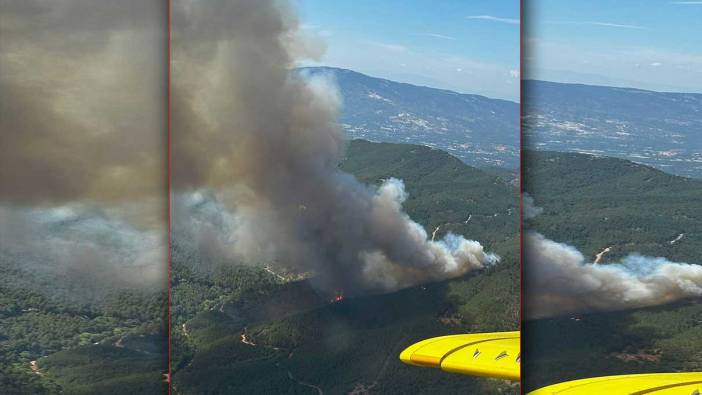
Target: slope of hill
[(478, 130), (443, 191), (654, 128), (597, 202), (52, 344), (232, 338)]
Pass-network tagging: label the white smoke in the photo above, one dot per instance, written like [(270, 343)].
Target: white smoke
[(80, 251), (559, 280), (250, 235), (529, 208)]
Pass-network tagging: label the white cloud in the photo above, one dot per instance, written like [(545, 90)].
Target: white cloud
[(618, 25), (397, 48), (510, 21), (604, 24), (437, 35)]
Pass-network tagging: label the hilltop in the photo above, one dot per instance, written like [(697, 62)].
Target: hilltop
[(594, 202)]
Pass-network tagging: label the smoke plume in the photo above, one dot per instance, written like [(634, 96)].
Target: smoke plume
[(81, 100), (82, 130), (78, 252), (267, 141), (560, 281)]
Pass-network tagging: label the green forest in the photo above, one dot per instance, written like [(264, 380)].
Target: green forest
[(596, 202), (241, 329), (50, 344)]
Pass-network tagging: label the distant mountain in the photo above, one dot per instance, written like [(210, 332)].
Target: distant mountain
[(663, 130), (478, 130), (249, 330)]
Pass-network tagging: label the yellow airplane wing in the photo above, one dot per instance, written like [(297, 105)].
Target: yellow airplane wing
[(497, 355), (632, 384), (481, 354)]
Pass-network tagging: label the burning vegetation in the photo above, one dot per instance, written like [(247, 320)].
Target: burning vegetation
[(338, 297)]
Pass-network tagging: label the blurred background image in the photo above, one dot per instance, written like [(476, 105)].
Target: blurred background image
[(613, 176), (83, 208)]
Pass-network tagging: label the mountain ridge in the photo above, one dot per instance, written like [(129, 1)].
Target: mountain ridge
[(659, 129), (481, 131)]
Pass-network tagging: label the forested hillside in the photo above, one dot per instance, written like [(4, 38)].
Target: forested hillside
[(246, 329), (595, 202), (50, 344)]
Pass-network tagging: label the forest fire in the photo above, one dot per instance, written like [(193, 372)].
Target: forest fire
[(338, 297)]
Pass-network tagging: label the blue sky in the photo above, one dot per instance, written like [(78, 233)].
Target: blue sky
[(654, 44), (465, 46)]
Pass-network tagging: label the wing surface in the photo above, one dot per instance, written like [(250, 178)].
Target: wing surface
[(479, 354), (632, 384)]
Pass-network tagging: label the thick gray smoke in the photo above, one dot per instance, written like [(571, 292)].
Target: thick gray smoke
[(560, 281), (268, 142), (82, 113), (82, 130)]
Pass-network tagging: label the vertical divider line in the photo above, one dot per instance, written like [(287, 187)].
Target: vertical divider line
[(168, 192), (521, 205)]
